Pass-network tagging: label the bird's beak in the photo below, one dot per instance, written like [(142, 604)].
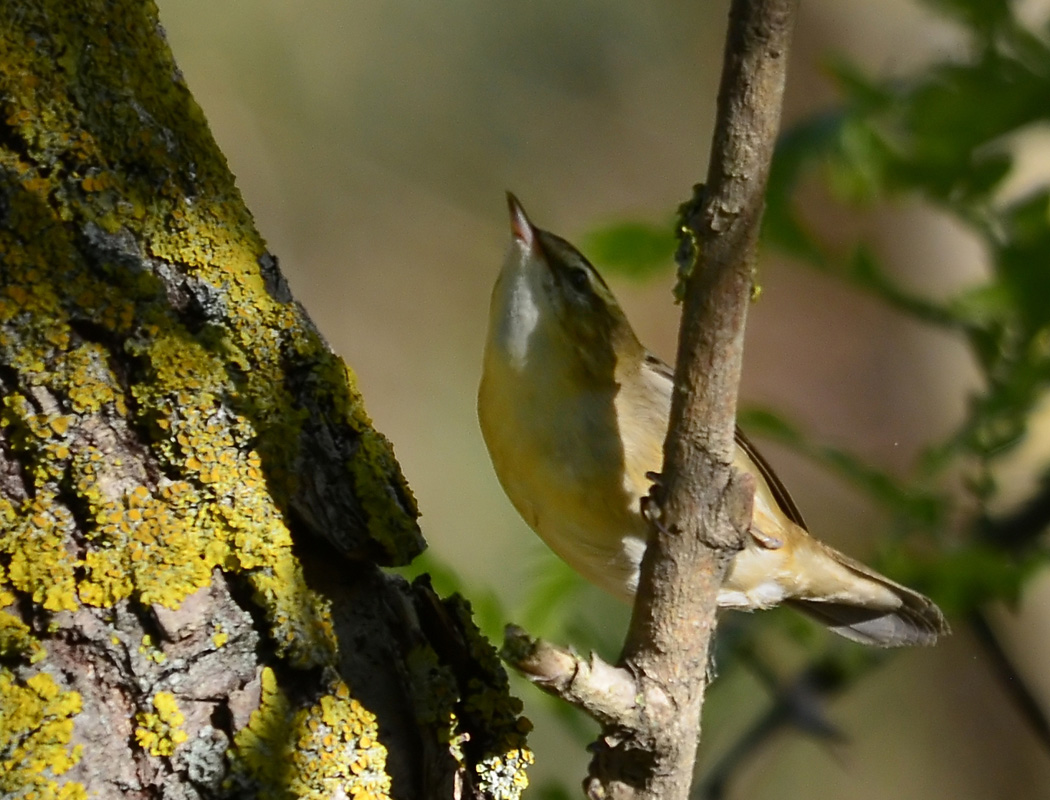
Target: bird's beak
[(520, 226)]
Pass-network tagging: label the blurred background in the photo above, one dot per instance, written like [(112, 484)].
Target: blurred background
[(373, 142)]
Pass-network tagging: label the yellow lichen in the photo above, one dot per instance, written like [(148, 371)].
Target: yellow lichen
[(17, 639), (503, 777), (320, 751), (40, 564), (389, 524), (36, 726), (149, 649), (206, 395), (219, 637), (159, 732), (133, 309), (301, 618)]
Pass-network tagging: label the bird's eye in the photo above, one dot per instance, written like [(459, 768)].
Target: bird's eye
[(578, 279)]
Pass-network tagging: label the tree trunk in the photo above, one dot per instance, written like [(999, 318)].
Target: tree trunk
[(194, 505)]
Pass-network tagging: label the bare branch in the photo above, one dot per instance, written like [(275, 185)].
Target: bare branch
[(1010, 679), (800, 703), (702, 507), (606, 693)]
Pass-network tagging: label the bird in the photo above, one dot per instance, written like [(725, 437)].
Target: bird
[(574, 410)]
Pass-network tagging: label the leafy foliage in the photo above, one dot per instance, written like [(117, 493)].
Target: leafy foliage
[(633, 249), (946, 134)]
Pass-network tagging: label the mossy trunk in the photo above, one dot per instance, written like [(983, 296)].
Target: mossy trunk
[(194, 505)]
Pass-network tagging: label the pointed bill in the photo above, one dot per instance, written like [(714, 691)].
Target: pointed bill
[(519, 222)]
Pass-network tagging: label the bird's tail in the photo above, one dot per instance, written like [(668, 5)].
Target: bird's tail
[(886, 615)]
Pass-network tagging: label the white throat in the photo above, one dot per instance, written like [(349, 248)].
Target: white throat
[(515, 313), (521, 320)]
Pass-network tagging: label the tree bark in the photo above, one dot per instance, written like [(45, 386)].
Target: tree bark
[(194, 506), (703, 508)]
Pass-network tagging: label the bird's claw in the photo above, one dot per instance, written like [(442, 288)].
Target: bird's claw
[(652, 503), (768, 541), (652, 512)]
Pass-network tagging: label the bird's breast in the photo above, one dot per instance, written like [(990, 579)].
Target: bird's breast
[(558, 454)]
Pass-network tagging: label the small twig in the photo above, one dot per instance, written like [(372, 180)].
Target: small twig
[(606, 693), (799, 703), (1010, 679)]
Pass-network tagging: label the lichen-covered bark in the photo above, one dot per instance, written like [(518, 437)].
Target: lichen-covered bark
[(193, 502)]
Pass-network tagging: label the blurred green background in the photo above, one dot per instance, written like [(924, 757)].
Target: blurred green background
[(373, 141)]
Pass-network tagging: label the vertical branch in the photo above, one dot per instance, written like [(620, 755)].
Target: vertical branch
[(703, 508), (649, 705)]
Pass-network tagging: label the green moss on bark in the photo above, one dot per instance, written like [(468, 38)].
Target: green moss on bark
[(146, 345)]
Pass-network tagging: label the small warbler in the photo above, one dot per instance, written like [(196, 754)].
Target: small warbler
[(574, 412)]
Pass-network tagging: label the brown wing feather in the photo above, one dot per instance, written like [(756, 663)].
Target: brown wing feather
[(780, 492)]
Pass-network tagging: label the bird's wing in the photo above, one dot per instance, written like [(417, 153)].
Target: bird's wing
[(776, 487), (780, 492)]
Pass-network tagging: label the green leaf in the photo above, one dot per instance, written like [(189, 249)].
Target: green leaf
[(857, 169), (978, 15), (634, 249), (984, 304), (970, 576), (763, 422), (1023, 260), (552, 596)]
